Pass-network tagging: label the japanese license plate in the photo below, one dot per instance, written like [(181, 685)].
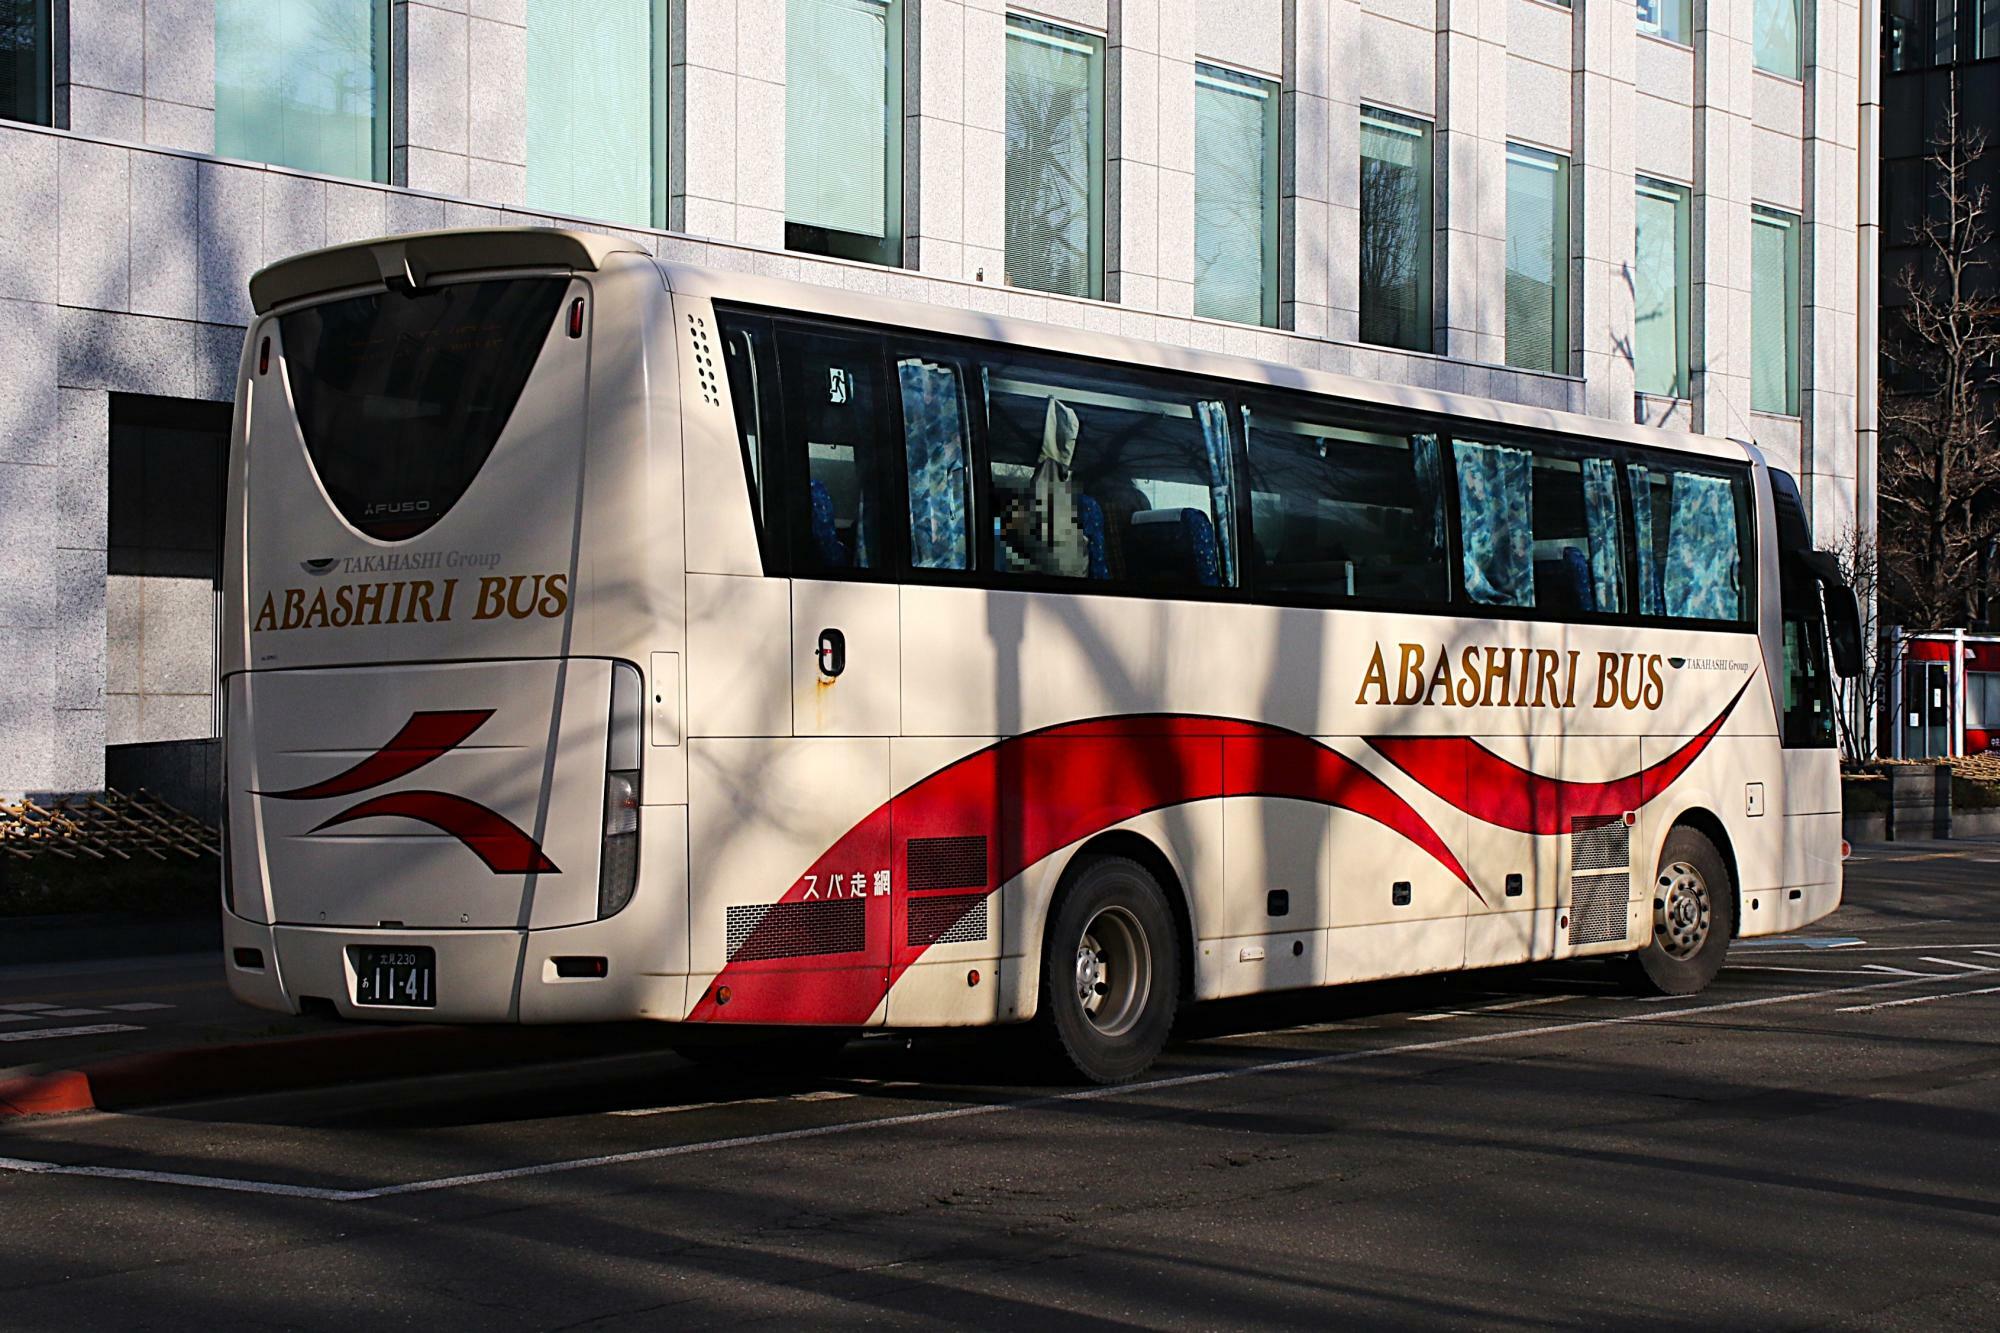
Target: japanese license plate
[(406, 978)]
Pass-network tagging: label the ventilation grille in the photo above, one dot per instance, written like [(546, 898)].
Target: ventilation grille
[(704, 362), (1599, 843), (949, 918), (1597, 908), (946, 863), (795, 930)]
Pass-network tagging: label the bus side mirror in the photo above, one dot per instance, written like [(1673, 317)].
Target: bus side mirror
[(1843, 612), (1843, 629)]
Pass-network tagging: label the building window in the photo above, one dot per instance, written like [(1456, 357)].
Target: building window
[(24, 61), (1776, 43), (1395, 230), (1917, 34), (304, 83), (597, 109), (844, 128), (163, 567), (1660, 290), (1235, 196), (1669, 20), (1055, 159), (1537, 259), (1774, 311)]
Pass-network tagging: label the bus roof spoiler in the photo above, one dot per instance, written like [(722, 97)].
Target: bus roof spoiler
[(412, 261)]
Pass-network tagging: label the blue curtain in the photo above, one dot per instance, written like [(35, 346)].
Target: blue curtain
[(934, 452), (1700, 578), (1427, 462), (1214, 418), (1600, 508), (1495, 505), (1642, 538)]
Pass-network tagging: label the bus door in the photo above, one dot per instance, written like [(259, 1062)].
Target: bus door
[(796, 921)]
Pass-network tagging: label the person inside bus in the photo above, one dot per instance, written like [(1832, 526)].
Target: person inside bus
[(1041, 530)]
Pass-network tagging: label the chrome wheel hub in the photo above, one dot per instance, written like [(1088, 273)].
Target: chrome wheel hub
[(1114, 971), (1681, 910)]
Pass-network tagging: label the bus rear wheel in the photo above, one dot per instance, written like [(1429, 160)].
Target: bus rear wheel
[(1111, 971), (1694, 915)]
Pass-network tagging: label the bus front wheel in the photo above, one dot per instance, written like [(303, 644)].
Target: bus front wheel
[(1694, 915), (1111, 970)]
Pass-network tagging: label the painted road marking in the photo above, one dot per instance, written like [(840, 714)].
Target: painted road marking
[(1917, 999), (88, 1030), (1442, 1014), (1988, 953), (237, 1185), (24, 1006), (1871, 970), (1802, 941), (820, 1095), (1895, 971), (140, 1007), (1953, 962), (70, 1013)]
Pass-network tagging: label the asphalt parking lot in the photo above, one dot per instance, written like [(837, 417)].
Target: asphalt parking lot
[(1814, 1142)]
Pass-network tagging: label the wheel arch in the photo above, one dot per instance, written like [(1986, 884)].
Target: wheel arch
[(1709, 824), (1136, 846)]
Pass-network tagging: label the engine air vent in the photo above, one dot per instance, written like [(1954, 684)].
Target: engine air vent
[(1597, 907), (946, 863), (1599, 842), (797, 930), (947, 918)]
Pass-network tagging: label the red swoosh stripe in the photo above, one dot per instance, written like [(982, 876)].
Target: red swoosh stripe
[(423, 738), (1501, 792), (1030, 796), (505, 849)]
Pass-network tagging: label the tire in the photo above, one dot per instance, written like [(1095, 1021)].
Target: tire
[(1694, 917), (1111, 971), (767, 1052)]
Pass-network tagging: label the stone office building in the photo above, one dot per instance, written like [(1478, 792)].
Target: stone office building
[(1658, 210)]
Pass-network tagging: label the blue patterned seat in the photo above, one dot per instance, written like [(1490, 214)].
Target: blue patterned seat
[(832, 551), (1090, 517)]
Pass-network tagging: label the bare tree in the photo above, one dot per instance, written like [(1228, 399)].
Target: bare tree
[(1940, 464), (1859, 698)]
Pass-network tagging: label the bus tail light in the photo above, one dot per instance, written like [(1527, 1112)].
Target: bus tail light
[(618, 865)]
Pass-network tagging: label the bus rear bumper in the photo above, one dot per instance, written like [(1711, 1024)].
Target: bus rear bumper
[(483, 976)]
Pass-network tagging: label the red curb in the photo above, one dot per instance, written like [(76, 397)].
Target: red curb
[(289, 1063)]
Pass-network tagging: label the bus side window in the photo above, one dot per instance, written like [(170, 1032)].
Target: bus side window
[(747, 358), (937, 449), (1688, 539), (1106, 477), (1340, 511), (834, 412)]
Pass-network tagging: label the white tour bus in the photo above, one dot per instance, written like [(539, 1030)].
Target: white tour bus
[(610, 639)]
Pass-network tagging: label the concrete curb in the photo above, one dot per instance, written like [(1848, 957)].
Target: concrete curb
[(285, 1064)]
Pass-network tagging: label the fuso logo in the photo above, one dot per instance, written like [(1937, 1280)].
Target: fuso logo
[(490, 836)]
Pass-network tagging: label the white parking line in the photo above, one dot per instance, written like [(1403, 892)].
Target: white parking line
[(1441, 1014), (241, 1186), (137, 1007), (818, 1095), (1917, 999), (24, 1006), (1953, 962), (88, 1030)]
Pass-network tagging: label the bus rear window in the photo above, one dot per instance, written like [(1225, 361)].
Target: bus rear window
[(401, 397)]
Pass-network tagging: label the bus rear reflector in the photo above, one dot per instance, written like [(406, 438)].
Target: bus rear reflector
[(576, 318)]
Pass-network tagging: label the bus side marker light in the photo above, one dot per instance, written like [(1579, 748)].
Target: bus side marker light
[(722, 995), (972, 977)]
